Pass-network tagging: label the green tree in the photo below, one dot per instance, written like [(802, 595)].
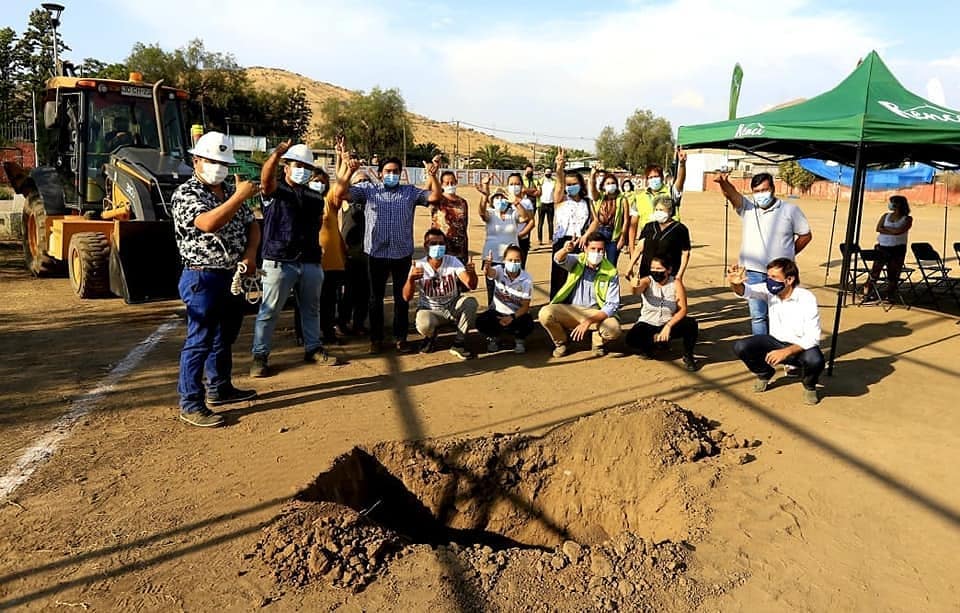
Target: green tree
[(373, 124), (34, 58), (492, 156), (647, 139), (424, 152), (9, 63), (795, 176), (549, 159), (609, 145), (297, 114)]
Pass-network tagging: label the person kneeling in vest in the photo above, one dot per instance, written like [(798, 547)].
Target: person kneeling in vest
[(440, 300), (588, 301), (513, 290), (663, 315)]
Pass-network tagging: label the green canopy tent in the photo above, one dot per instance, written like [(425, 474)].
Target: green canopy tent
[(868, 119)]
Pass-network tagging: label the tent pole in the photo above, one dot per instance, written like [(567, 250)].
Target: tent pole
[(726, 233), (856, 196), (833, 230), (946, 197)]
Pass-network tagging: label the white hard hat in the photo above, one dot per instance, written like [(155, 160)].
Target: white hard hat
[(215, 146), (299, 153)]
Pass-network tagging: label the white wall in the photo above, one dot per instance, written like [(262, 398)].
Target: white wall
[(699, 163)]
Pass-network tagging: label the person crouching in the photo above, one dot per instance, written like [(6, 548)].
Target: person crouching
[(510, 311)]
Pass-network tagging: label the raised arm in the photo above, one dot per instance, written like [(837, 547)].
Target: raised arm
[(484, 189), (736, 277), (268, 174), (560, 187), (592, 185), (433, 183), (410, 286), (345, 170), (214, 219), (729, 191), (469, 275), (681, 170)]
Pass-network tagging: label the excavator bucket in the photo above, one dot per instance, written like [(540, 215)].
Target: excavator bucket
[(144, 261)]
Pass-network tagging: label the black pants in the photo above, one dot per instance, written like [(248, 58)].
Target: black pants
[(545, 211), (641, 335), (488, 324), (354, 303), (558, 274), (491, 287), (753, 351), (397, 269), (524, 244), (333, 281)]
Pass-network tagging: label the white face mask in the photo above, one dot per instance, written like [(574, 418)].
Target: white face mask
[(317, 186), (300, 175), (661, 216), (763, 199), (450, 189), (515, 189), (212, 174), (610, 188), (654, 183), (594, 257)]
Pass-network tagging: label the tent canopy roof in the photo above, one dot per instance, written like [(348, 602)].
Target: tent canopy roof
[(870, 107)]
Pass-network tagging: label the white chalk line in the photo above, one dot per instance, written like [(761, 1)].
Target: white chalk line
[(43, 448)]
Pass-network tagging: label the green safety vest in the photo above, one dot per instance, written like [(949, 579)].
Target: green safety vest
[(601, 282), (645, 200)]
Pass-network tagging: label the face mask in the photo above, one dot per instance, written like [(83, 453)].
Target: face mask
[(515, 189), (610, 188), (594, 258), (573, 190), (763, 199), (512, 267), (529, 175), (627, 187), (599, 183), (437, 252), (501, 204), (775, 287), (391, 179), (317, 186), (658, 275), (654, 183), (212, 174), (891, 206), (450, 189), (661, 216), (548, 175), (300, 175)]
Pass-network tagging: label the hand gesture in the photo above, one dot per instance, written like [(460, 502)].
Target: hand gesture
[(580, 332), (561, 159), (722, 177), (582, 242), (416, 273), (246, 189), (484, 186), (488, 261), (736, 275), (340, 145), (663, 336), (348, 166), (570, 246), (681, 156), (283, 147), (470, 267), (434, 166)]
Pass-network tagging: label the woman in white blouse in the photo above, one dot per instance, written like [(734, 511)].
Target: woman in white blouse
[(573, 219), (504, 222), (892, 231)]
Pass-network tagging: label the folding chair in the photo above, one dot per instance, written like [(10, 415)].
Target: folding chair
[(857, 270), (956, 250), (870, 257), (933, 273)]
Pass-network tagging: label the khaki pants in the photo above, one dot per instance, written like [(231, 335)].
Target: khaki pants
[(461, 314), (559, 319)]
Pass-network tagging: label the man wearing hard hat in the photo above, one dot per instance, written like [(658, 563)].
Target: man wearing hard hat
[(292, 214), (215, 232)]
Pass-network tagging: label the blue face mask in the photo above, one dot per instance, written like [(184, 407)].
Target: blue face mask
[(573, 190), (300, 175), (391, 179), (512, 267), (437, 252), (501, 204), (775, 287), (891, 206), (655, 183)]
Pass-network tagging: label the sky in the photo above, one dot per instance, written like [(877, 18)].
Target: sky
[(554, 72)]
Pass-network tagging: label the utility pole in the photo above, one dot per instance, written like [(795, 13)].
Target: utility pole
[(54, 10), (456, 149)]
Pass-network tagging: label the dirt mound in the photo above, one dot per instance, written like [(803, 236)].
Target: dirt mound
[(604, 507)]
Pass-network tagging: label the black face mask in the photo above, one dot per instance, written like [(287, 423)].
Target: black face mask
[(529, 175), (658, 275)]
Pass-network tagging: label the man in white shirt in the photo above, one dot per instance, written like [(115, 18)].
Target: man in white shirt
[(794, 337), (510, 311), (545, 205), (436, 276), (772, 228)]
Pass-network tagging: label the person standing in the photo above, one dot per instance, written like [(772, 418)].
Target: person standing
[(334, 260), (611, 209), (574, 218), (520, 200), (772, 229), (644, 201), (355, 300), (663, 315), (892, 229), (511, 302), (503, 220), (388, 237), (528, 200), (663, 237), (794, 337), (545, 205), (450, 216), (215, 231)]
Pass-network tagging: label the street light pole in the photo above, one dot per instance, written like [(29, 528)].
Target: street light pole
[(54, 10)]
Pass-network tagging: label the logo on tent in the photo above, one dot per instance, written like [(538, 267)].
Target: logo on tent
[(750, 129), (924, 112)]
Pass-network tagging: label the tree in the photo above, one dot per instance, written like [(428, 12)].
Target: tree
[(647, 140), (373, 124), (34, 58), (9, 61), (424, 152), (495, 156), (296, 116), (609, 145), (794, 175), (549, 159)]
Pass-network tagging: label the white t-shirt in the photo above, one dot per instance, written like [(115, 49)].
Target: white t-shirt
[(795, 320), (892, 240), (769, 233), (509, 294), (546, 190), (571, 218), (501, 233), (438, 288)]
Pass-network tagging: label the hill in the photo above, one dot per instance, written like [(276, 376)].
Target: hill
[(424, 129)]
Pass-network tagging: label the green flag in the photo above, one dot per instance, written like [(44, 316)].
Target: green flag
[(735, 90)]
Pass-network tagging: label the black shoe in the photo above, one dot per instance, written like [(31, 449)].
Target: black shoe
[(690, 363), (320, 356), (428, 344), (202, 418), (231, 395), (376, 348), (404, 347), (259, 367)]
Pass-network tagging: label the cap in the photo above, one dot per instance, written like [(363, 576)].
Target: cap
[(214, 146)]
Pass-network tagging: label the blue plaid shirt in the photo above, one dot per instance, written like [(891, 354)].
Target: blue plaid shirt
[(388, 216)]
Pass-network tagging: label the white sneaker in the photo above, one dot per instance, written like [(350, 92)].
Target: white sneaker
[(519, 347), (492, 345)]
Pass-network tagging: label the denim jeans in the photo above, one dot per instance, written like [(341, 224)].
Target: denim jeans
[(758, 308), (278, 280), (753, 351), (214, 316)]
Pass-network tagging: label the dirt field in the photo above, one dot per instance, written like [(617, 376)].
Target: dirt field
[(851, 505)]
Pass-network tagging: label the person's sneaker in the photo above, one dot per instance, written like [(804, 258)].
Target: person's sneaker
[(376, 348), (519, 347), (690, 363), (791, 371), (202, 418), (559, 351), (404, 347), (230, 396), (810, 396), (259, 367), (599, 351), (428, 344), (760, 385), (320, 356), (461, 352), (492, 345)]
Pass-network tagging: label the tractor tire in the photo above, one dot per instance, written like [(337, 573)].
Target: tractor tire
[(36, 240), (89, 264)]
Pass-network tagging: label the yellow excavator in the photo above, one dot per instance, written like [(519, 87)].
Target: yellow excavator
[(97, 206)]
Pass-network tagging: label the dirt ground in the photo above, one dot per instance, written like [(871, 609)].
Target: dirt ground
[(851, 505)]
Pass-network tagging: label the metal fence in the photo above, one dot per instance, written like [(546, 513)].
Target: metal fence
[(16, 132)]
